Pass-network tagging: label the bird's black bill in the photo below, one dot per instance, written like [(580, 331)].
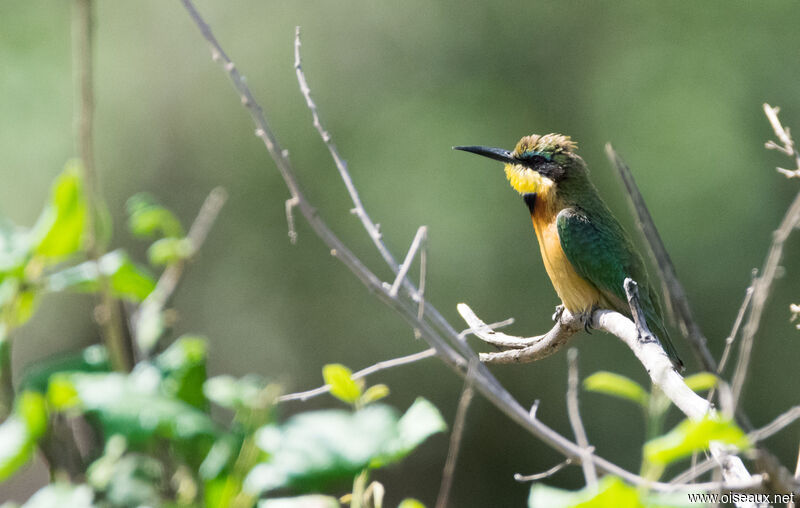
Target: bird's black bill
[(497, 154)]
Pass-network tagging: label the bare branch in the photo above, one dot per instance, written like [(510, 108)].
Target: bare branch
[(573, 411), (748, 295), (483, 326), (526, 349), (775, 425), (168, 282), (763, 283), (787, 146), (386, 364), (290, 204), (419, 238), (455, 439), (546, 474)]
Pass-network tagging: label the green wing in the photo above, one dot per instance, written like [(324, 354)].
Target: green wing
[(601, 253)]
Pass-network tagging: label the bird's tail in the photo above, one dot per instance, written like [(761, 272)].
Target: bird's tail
[(657, 327)]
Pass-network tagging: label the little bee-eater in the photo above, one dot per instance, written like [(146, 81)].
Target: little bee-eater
[(586, 252)]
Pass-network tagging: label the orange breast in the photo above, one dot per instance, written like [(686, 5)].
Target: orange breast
[(576, 293)]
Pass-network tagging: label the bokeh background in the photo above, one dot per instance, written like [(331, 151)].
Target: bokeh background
[(677, 88)]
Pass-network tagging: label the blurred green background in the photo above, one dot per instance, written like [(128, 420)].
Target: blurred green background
[(676, 87)]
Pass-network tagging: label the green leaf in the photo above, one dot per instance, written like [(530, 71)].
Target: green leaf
[(691, 436), (130, 480), (419, 422), (148, 218), (21, 431), (616, 385), (610, 492), (410, 503), (313, 448), (59, 231), (311, 501), (183, 365), (375, 393), (250, 392), (702, 381), (169, 250), (127, 280), (62, 495), (131, 405), (15, 248), (19, 303), (92, 359), (341, 381)]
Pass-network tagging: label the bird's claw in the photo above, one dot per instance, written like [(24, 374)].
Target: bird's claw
[(586, 319), (557, 314)]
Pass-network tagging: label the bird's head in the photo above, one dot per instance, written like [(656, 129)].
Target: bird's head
[(538, 163)]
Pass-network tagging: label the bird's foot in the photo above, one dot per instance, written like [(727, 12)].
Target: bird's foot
[(586, 319), (557, 314)]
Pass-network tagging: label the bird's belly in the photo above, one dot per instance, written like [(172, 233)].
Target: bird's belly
[(577, 294)]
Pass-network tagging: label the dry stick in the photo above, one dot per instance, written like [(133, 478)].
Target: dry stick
[(573, 411), (546, 474), (420, 237), (168, 282), (373, 229), (763, 283), (788, 147), (674, 293), (382, 365), (455, 439), (110, 314), (775, 425), (484, 381), (386, 364)]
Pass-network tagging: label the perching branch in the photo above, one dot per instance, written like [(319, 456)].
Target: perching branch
[(648, 351)]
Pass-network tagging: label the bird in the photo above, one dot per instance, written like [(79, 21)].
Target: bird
[(586, 251)]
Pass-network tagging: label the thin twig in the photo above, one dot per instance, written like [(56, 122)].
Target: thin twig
[(748, 295), (787, 147), (290, 204), (763, 284), (386, 364), (674, 295), (545, 474), (573, 411), (448, 473), (419, 239), (109, 315), (484, 327), (775, 426), (168, 282)]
